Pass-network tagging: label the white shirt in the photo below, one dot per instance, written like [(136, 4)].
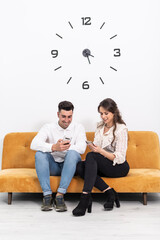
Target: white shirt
[(50, 133), (119, 146)]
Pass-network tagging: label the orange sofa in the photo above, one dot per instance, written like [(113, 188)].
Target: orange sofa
[(18, 172)]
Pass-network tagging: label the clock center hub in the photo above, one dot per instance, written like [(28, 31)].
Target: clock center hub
[(86, 52)]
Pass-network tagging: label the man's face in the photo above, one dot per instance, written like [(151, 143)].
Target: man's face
[(65, 118)]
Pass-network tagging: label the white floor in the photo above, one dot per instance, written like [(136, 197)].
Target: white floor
[(24, 220)]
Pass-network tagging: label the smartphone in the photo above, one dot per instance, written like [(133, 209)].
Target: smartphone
[(68, 139), (89, 142)]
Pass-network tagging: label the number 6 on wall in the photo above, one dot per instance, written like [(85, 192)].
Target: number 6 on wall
[(85, 85)]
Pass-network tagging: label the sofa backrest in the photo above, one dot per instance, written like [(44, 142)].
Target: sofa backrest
[(143, 150), (17, 152)]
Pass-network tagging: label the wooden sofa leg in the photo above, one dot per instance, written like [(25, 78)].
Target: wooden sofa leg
[(9, 198), (144, 198)]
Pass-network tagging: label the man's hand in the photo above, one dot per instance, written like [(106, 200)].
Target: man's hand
[(61, 145)]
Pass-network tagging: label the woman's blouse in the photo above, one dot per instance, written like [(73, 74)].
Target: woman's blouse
[(118, 147)]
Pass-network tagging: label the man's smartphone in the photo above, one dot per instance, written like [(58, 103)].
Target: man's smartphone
[(66, 139), (89, 142)]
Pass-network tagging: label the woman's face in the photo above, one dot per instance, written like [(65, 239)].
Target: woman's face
[(106, 116)]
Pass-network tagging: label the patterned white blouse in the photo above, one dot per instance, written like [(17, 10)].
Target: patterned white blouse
[(119, 146)]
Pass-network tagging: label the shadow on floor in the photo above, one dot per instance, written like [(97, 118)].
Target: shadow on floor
[(74, 197)]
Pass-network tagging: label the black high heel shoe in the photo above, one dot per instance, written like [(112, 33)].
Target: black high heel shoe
[(112, 196), (84, 204)]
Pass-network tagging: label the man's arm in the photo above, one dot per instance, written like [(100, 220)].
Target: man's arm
[(39, 141)]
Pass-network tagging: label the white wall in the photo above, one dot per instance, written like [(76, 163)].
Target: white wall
[(30, 89)]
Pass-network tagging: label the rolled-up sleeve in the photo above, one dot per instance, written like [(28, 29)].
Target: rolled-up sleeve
[(121, 147)]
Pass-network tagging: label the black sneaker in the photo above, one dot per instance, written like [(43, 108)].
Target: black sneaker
[(59, 204), (47, 203)]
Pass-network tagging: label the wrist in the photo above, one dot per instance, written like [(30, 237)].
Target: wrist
[(101, 151), (53, 148)]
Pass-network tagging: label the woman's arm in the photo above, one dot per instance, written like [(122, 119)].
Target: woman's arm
[(103, 152), (119, 154)]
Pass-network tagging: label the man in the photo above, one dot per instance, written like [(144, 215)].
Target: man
[(58, 147)]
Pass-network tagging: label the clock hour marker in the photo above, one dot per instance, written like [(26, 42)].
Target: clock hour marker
[(101, 80), (102, 25), (69, 80), (59, 36), (70, 25), (113, 36), (113, 68), (57, 68)]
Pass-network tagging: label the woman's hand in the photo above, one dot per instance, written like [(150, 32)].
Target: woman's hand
[(103, 152), (94, 148)]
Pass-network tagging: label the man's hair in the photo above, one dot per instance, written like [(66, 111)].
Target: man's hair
[(65, 105)]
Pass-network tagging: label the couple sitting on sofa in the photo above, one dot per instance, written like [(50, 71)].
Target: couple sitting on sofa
[(59, 146)]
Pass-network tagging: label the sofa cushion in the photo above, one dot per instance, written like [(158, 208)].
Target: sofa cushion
[(26, 180)]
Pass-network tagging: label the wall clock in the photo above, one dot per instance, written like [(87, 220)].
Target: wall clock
[(88, 46)]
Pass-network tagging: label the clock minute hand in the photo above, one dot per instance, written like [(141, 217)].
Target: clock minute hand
[(88, 59)]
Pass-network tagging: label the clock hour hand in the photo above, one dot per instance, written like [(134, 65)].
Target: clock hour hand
[(87, 53)]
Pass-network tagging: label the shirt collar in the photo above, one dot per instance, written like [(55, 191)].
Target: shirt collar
[(108, 132), (69, 128)]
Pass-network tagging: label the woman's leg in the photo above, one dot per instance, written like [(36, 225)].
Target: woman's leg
[(98, 163), (107, 169), (99, 183), (91, 178), (88, 171)]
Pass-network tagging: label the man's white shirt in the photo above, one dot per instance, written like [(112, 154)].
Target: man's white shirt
[(50, 133)]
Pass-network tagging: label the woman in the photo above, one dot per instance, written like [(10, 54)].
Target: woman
[(108, 158)]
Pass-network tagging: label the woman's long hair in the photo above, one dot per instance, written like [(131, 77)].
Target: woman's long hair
[(111, 106)]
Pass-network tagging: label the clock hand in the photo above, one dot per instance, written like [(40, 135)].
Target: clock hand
[(88, 59)]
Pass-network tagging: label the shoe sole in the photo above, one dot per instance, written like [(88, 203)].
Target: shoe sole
[(108, 209), (60, 210), (79, 215), (47, 209)]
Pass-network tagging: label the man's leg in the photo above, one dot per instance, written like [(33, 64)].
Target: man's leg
[(69, 167), (46, 166), (68, 171)]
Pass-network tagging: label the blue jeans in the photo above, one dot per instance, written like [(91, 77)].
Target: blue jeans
[(46, 167)]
